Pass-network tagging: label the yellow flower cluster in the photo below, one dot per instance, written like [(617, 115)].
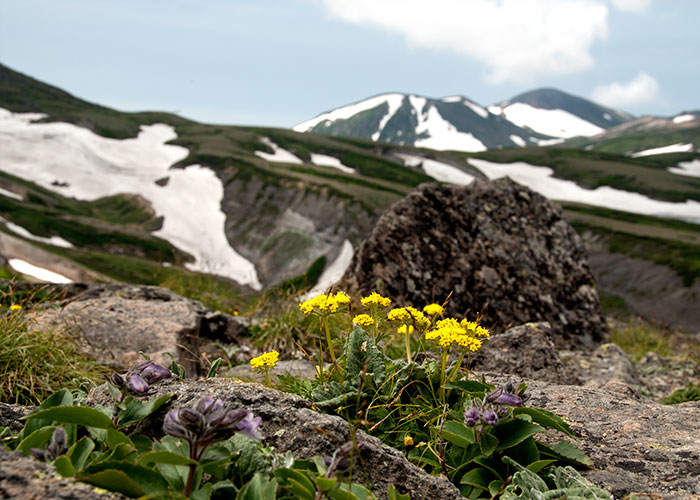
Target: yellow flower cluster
[(404, 329), (449, 332), (265, 361), (363, 320), (433, 309), (15, 307), (374, 299), (408, 316), (323, 302)]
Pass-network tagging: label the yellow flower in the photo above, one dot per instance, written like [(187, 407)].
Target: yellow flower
[(323, 302), (15, 307), (363, 320), (433, 309), (342, 298), (265, 361), (403, 329), (409, 316), (449, 332), (407, 440), (374, 299)]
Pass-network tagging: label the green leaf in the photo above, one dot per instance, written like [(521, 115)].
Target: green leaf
[(457, 433), (259, 488), (136, 410), (351, 491), (214, 367), (478, 478), (115, 438), (525, 453), (362, 352), (164, 457), (495, 486), (545, 418), (80, 452), (203, 493), (116, 481), (40, 438), (514, 432), (495, 466), (566, 452), (326, 483), (536, 467), (62, 397), (488, 444), (395, 495), (176, 475), (83, 415), (148, 480), (64, 466), (297, 482)]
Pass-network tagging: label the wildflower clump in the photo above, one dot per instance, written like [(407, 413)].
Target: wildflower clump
[(375, 303), (264, 362), (324, 303), (433, 310), (363, 320), (409, 317), (375, 300)]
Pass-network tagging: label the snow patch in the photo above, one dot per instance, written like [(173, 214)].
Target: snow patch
[(37, 272), (437, 170), (476, 109), (279, 155), (495, 110), (607, 116), (442, 135), (541, 179), (394, 102), (673, 148), (347, 111), (330, 161), (683, 118), (10, 194), (546, 142), (452, 98), (689, 168), (518, 140), (89, 167), (332, 274), (553, 122), (56, 241)]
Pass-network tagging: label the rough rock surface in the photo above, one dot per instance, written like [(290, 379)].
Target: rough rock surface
[(28, 479), (502, 249), (118, 321), (289, 424), (637, 446), (525, 351)]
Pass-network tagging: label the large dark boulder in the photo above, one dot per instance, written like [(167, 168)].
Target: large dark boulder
[(502, 250)]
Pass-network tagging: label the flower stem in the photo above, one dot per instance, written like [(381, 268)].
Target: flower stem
[(455, 370), (408, 345), (443, 362), (267, 376), (328, 339)]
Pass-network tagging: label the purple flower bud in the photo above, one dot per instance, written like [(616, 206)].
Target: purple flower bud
[(471, 416), (249, 425), (150, 371), (490, 417), (508, 399), (118, 380), (37, 453), (137, 384), (59, 437)]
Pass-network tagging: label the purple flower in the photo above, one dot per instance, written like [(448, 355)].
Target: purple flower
[(56, 447), (150, 371), (137, 384), (210, 420), (508, 396), (472, 416), (490, 417)]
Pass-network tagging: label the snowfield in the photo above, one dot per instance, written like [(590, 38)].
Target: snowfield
[(541, 180), (673, 148), (19, 230), (437, 170), (332, 274), (683, 118), (279, 156), (330, 161), (553, 122), (10, 194), (37, 272), (689, 168), (75, 162), (443, 135)]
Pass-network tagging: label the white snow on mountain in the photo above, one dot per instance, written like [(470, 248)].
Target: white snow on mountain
[(37, 272), (352, 109), (546, 142), (476, 108), (689, 168), (518, 140), (279, 156), (330, 161), (332, 274), (76, 162), (673, 148), (10, 194), (439, 171), (541, 179), (683, 118), (394, 102), (442, 135), (21, 231), (552, 122)]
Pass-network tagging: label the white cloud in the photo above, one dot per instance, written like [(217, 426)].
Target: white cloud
[(642, 89), (518, 40), (631, 5)]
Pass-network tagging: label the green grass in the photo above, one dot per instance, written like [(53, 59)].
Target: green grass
[(37, 362)]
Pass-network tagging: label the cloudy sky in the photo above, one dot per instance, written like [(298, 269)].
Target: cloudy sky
[(280, 62)]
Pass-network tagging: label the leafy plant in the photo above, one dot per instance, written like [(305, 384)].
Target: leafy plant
[(690, 392)]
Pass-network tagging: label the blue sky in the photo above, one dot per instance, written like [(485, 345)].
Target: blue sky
[(280, 62)]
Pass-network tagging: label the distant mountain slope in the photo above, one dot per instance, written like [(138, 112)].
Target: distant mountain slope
[(458, 123)]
